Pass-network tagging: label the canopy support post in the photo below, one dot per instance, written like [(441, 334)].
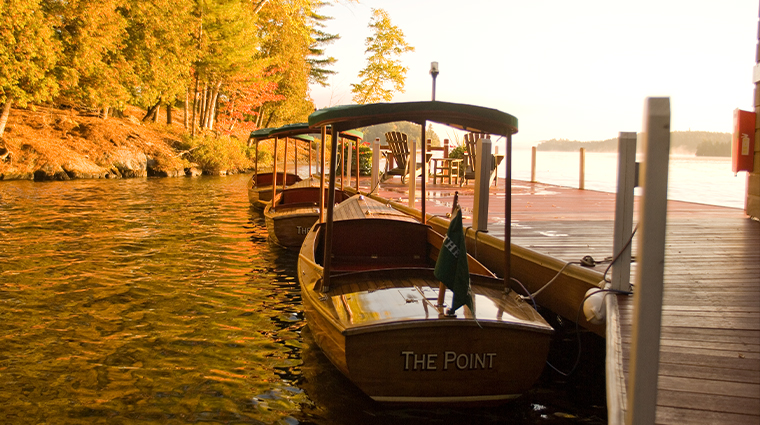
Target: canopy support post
[(327, 262)]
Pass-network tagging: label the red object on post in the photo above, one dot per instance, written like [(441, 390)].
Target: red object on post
[(743, 141)]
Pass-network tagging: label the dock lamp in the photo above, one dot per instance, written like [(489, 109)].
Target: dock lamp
[(434, 73)]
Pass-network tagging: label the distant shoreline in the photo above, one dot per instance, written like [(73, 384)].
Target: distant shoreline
[(699, 143)]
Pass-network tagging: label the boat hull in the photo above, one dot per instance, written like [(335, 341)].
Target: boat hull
[(434, 363), (289, 230)]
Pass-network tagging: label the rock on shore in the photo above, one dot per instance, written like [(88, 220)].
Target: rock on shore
[(56, 144)]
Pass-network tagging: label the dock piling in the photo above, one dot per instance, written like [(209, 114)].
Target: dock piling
[(647, 313)]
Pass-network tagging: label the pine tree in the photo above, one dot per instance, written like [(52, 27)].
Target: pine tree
[(387, 42)]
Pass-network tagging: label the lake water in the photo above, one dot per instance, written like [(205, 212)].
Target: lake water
[(706, 180), (147, 301)]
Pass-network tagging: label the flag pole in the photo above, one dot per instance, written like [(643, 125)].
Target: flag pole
[(442, 286)]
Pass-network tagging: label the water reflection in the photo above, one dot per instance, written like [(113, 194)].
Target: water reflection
[(161, 301)]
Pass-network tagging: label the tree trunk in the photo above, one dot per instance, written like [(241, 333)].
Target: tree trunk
[(168, 113), (104, 113), (158, 109), (152, 112), (195, 101), (204, 105), (212, 106), (187, 102), (6, 112)]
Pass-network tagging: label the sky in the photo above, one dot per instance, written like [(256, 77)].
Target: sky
[(577, 70)]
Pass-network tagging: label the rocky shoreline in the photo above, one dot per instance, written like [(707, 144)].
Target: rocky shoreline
[(53, 144)]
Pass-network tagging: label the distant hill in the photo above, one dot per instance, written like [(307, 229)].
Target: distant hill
[(700, 143)]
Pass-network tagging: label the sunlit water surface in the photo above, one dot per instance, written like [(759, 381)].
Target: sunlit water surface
[(161, 301), (704, 180)]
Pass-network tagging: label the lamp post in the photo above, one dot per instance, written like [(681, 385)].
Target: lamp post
[(434, 73)]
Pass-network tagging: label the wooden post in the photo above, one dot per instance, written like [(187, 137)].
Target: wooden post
[(322, 176), (309, 144), (424, 172), (412, 168), (582, 172), (482, 182), (274, 171), (647, 309), (358, 163), (533, 164), (445, 148), (508, 215), (284, 167), (349, 159), (375, 162), (327, 260), (621, 269), (342, 159)]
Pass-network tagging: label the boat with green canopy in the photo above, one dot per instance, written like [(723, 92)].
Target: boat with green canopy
[(294, 209), (371, 284)]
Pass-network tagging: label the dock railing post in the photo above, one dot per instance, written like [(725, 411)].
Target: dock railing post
[(375, 162), (412, 168), (647, 308), (349, 161), (533, 164), (482, 183), (626, 182), (582, 171)]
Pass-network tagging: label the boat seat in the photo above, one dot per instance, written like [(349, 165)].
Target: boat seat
[(384, 244)]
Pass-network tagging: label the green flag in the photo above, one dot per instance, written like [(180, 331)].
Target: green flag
[(451, 267)]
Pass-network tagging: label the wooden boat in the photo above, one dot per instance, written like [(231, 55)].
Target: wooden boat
[(293, 211), (264, 182), (371, 298)]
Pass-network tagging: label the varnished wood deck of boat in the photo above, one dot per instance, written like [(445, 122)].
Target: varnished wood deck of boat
[(710, 342)]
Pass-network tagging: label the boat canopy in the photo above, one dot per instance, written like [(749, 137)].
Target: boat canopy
[(465, 117), (299, 131)]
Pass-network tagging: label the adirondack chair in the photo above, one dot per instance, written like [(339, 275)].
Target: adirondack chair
[(472, 158), (399, 145)]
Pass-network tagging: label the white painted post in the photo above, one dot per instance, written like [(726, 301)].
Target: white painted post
[(621, 269), (582, 173), (349, 162), (375, 162), (533, 164), (647, 309), (482, 182), (412, 167)]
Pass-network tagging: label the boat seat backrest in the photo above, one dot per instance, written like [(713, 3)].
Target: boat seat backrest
[(308, 195), (265, 179), (368, 244)]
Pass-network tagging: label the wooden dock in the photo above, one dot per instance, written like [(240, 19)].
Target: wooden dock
[(710, 340)]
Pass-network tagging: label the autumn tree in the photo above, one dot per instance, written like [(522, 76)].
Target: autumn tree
[(386, 43), (28, 52), (92, 71), (160, 49), (228, 44), (286, 33)]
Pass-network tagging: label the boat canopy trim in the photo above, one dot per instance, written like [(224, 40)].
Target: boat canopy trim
[(465, 117), (299, 131)]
